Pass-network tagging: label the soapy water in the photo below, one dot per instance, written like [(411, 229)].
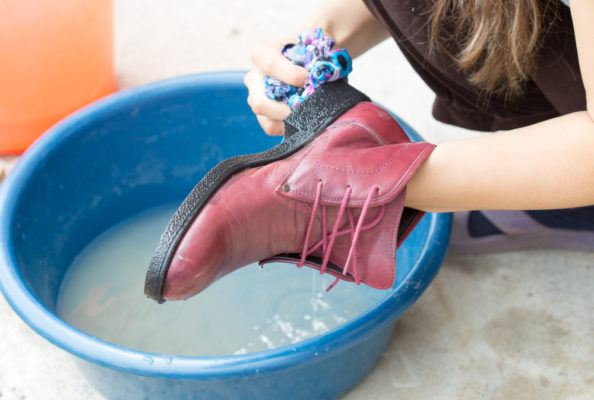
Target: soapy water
[(252, 309)]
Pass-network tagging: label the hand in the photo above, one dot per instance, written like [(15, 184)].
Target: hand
[(268, 61)]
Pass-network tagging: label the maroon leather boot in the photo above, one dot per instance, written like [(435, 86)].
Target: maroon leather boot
[(336, 205)]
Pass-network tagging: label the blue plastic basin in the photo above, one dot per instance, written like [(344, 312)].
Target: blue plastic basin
[(146, 147)]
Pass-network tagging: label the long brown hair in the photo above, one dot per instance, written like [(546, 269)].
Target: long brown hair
[(496, 40)]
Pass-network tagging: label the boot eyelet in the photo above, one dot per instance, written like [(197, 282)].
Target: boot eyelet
[(286, 188)]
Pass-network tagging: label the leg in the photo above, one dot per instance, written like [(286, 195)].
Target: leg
[(494, 231)]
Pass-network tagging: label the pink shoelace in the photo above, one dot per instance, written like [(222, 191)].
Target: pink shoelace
[(328, 240)]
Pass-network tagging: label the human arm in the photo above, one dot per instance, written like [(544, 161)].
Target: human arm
[(541, 166), (348, 22)]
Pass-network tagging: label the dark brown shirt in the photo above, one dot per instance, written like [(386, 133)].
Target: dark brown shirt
[(555, 88)]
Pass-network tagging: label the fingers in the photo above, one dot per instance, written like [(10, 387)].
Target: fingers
[(259, 102), (270, 113), (271, 126), (269, 61)]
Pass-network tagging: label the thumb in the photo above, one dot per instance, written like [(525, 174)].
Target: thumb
[(270, 61)]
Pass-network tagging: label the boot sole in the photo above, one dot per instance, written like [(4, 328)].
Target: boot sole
[(303, 125)]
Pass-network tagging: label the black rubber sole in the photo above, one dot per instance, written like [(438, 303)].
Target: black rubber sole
[(303, 125)]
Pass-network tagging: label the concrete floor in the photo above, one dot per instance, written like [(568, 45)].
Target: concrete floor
[(510, 326)]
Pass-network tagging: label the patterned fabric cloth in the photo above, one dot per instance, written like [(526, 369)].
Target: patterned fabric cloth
[(314, 52)]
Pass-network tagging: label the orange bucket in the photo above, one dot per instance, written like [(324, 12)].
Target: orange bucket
[(55, 57)]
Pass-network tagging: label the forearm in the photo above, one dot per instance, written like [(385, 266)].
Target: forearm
[(542, 166), (349, 23)]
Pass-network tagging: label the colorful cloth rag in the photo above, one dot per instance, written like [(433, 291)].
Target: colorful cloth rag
[(313, 51)]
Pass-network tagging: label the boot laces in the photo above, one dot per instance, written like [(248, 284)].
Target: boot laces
[(328, 239)]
